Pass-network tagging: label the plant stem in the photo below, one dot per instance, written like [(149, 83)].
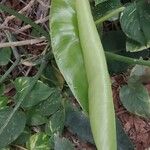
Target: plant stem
[(17, 56), (19, 147), (9, 70), (27, 20), (24, 42), (109, 15), (127, 60), (114, 56)]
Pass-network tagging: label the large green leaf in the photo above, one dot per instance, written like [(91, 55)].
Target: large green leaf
[(134, 46), (105, 7), (39, 93), (135, 98), (14, 127), (35, 118), (142, 73), (3, 102), (56, 123), (135, 22), (67, 49), (52, 76), (39, 141), (51, 105), (115, 42), (68, 54), (123, 140), (131, 24), (23, 137), (143, 8), (78, 123)]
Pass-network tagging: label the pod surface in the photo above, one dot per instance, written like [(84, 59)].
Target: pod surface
[(101, 109), (82, 62)]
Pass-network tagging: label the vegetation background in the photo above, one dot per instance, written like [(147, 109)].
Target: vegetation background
[(49, 115)]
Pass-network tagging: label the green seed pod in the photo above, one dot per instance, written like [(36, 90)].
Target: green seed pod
[(101, 109)]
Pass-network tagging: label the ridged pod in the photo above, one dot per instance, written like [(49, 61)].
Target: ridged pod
[(101, 109), (80, 57)]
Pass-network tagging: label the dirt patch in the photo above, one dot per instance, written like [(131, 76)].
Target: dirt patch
[(137, 128)]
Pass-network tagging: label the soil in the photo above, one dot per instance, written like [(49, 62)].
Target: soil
[(137, 128)]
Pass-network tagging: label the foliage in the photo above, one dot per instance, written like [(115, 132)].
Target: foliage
[(5, 54), (62, 144), (40, 90), (37, 114), (13, 129), (38, 141), (135, 23), (134, 96)]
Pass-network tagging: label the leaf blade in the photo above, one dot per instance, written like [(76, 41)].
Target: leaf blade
[(63, 16), (13, 129), (135, 99)]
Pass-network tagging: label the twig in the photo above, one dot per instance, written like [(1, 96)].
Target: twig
[(28, 71), (20, 147), (10, 39), (43, 4), (109, 15), (21, 43), (29, 26), (21, 11), (13, 31), (26, 20)]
